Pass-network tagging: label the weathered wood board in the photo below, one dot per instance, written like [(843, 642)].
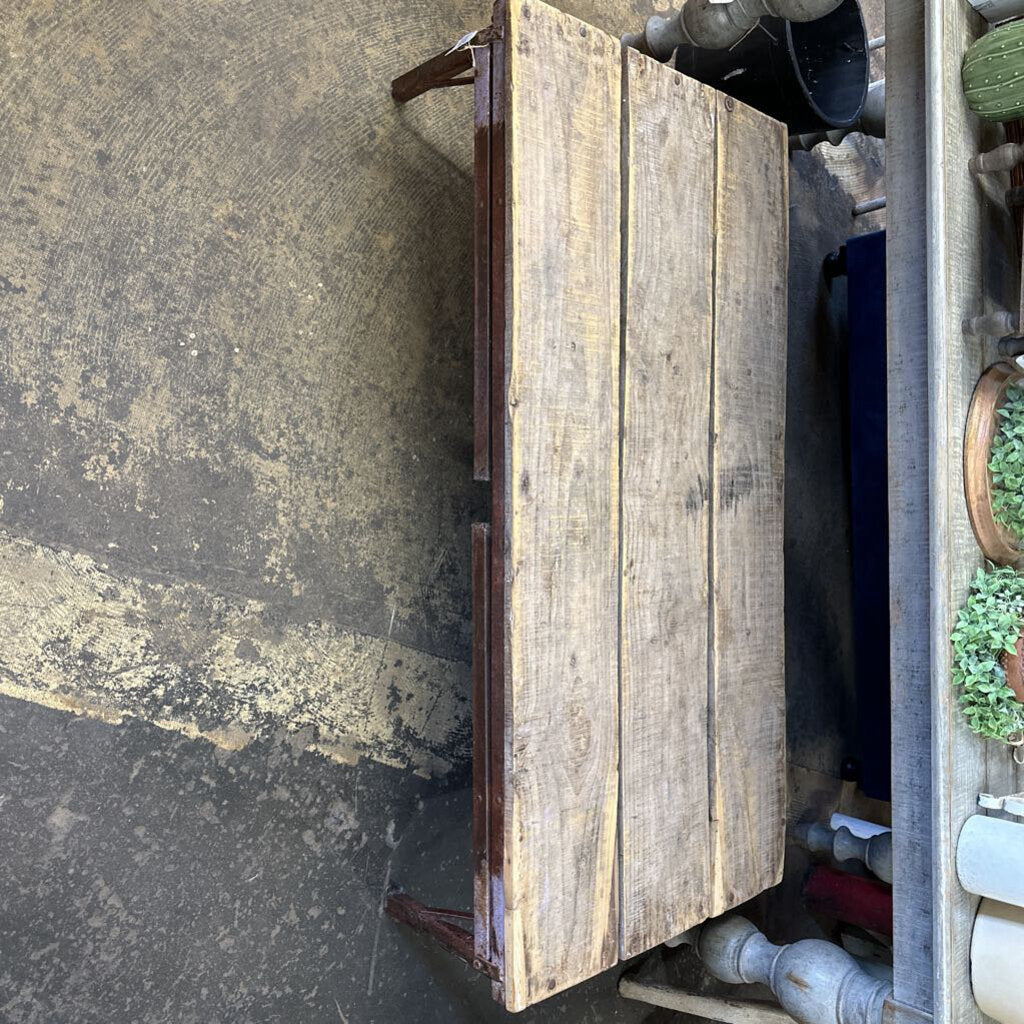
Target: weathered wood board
[(747, 694), (561, 492), (702, 468), (909, 572), (669, 293), (971, 268), (644, 742)]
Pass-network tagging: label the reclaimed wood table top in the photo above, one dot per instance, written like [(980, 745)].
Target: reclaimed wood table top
[(630, 394)]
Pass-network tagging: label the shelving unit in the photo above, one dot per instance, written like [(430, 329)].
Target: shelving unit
[(951, 255)]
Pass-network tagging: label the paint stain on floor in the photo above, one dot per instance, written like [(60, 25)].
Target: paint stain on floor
[(83, 638)]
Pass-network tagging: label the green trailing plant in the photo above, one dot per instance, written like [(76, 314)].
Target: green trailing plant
[(1006, 463), (989, 626)]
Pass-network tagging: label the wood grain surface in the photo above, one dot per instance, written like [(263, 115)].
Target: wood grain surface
[(972, 267), (702, 503), (909, 568), (747, 693), (670, 127), (561, 493)]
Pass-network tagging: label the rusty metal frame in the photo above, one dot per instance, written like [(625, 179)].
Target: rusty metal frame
[(482, 56), (444, 69)]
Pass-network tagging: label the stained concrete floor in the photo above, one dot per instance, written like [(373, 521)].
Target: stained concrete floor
[(234, 509)]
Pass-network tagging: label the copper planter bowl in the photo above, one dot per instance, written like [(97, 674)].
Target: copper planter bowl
[(999, 544)]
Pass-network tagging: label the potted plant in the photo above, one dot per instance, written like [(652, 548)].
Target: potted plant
[(987, 655), (1006, 461)]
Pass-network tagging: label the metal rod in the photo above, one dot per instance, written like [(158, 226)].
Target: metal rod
[(432, 74), (869, 206), (468, 80), (455, 915), (458, 941), (481, 943), (404, 908), (482, 264), (499, 410), (877, 43), (442, 70), (481, 737)]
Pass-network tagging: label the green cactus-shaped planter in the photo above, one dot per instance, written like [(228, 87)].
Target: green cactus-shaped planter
[(993, 73)]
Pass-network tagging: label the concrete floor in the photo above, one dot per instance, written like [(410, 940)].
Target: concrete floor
[(234, 509)]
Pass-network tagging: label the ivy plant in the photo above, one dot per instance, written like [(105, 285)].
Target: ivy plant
[(1006, 463), (989, 626)]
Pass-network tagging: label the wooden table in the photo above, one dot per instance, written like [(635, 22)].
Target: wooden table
[(630, 369)]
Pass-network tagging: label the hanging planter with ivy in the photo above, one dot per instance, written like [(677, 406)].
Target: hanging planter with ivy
[(1006, 463), (994, 463), (987, 655)]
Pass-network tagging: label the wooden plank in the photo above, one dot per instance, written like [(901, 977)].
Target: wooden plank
[(670, 128), (747, 705), (970, 254), (561, 502), (906, 303), (714, 1008)]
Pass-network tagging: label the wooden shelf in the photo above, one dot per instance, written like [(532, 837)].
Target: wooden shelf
[(951, 255)]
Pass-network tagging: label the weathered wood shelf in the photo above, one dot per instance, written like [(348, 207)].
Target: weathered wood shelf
[(951, 256)]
